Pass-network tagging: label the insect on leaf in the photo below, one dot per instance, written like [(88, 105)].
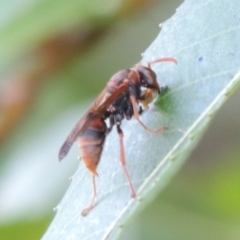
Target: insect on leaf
[(204, 37)]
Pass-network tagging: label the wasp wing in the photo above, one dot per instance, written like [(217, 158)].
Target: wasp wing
[(80, 127), (97, 108)]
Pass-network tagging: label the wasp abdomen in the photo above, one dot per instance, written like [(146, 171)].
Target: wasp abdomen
[(91, 143)]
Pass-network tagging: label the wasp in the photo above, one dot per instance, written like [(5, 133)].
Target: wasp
[(123, 97)]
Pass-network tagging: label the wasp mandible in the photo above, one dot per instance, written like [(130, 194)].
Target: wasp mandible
[(122, 98)]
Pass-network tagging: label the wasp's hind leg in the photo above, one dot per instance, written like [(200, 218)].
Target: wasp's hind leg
[(123, 161), (86, 210)]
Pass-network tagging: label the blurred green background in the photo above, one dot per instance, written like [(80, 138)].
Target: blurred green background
[(56, 56)]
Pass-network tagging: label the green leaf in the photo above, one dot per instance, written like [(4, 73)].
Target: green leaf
[(204, 37), (15, 230)]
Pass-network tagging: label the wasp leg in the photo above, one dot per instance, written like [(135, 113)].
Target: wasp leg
[(86, 210), (123, 161), (136, 115), (140, 110), (111, 124)]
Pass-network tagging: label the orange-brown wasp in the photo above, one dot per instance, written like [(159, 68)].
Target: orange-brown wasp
[(120, 99)]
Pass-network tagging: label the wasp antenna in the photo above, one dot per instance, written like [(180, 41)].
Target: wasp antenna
[(165, 59)]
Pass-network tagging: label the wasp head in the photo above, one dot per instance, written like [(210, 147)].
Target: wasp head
[(148, 78)]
